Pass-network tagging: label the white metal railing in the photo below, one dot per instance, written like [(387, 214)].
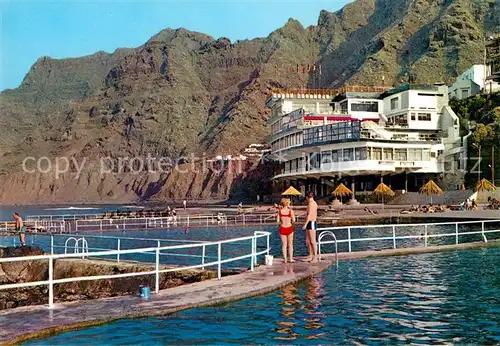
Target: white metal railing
[(51, 281), (49, 226), (168, 222), (421, 229)]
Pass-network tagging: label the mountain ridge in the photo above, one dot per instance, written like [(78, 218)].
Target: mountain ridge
[(191, 93)]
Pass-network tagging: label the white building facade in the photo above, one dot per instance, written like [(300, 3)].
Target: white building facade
[(472, 82), (358, 137)]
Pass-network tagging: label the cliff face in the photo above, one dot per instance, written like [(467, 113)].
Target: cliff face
[(191, 93)]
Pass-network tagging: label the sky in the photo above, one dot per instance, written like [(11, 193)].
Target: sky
[(71, 28)]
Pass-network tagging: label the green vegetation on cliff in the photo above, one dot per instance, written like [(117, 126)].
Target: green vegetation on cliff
[(483, 111)]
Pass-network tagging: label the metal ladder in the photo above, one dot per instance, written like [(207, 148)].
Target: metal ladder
[(320, 238)]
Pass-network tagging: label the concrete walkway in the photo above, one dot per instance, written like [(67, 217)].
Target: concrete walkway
[(24, 323)]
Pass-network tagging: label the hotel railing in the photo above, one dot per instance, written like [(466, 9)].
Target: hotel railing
[(422, 231), (158, 251)]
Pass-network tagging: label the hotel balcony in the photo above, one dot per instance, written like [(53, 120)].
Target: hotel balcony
[(363, 167)]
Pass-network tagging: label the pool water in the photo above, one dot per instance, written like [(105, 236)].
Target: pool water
[(437, 298)]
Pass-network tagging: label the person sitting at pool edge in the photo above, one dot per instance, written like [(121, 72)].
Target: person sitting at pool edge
[(286, 219), (310, 227), (20, 228)]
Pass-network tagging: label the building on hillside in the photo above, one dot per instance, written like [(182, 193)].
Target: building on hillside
[(256, 150), (493, 59), (472, 82), (360, 136)]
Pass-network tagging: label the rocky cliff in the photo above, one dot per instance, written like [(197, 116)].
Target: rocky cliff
[(190, 93)]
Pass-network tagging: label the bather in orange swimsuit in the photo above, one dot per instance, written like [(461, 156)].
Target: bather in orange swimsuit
[(286, 230)]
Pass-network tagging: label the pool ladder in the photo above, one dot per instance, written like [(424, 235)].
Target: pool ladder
[(320, 238)]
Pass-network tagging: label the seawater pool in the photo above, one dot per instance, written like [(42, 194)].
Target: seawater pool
[(438, 298)]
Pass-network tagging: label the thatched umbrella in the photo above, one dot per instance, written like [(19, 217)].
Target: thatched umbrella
[(383, 190), (341, 191), (485, 185), (291, 192), (430, 189)]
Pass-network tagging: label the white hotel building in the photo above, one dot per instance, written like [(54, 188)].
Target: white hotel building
[(358, 135)]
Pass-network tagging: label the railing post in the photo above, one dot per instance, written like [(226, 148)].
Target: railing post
[(261, 219), (251, 258), (187, 220), (482, 231), (243, 218), (157, 271), (218, 261), (51, 244), (425, 235), (51, 283), (255, 250), (394, 236), (349, 237), (268, 249), (456, 233), (203, 257), (118, 248)]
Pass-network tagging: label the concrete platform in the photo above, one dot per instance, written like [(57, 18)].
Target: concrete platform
[(25, 323)]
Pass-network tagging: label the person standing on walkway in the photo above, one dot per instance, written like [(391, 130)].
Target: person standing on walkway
[(310, 227), (184, 203), (286, 219), (20, 228)]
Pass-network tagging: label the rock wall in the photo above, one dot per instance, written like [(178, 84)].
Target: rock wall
[(27, 271), (238, 180)]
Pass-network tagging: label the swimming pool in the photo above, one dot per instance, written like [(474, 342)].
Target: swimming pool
[(438, 298)]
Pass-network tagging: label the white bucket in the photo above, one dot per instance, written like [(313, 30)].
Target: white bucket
[(269, 260)]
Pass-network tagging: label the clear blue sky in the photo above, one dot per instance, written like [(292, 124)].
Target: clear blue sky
[(62, 29)]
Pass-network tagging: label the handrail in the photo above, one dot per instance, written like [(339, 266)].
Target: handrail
[(424, 235), (157, 250), (331, 234)]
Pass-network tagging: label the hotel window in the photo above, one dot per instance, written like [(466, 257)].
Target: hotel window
[(465, 93), (400, 155), (336, 155), (424, 116), (360, 154), (376, 153), (413, 116), (395, 103), (364, 106), (326, 160), (349, 154), (414, 154), (426, 155), (388, 154)]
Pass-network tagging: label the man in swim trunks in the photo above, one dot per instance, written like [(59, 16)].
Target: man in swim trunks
[(20, 228), (310, 227)]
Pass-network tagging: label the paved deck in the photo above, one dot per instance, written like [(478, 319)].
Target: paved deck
[(27, 322), (24, 323)]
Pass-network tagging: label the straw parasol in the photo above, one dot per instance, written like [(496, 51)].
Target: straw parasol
[(485, 185), (430, 189), (383, 190), (341, 191), (291, 191)]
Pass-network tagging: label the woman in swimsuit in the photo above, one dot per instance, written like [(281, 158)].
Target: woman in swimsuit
[(286, 219)]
